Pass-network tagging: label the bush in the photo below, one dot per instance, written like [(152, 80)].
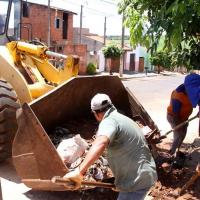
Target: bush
[(91, 68), (112, 51), (162, 59)]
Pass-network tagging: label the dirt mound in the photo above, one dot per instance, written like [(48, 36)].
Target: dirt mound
[(172, 178)]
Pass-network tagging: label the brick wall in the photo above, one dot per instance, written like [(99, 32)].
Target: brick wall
[(81, 51), (38, 22), (38, 18)]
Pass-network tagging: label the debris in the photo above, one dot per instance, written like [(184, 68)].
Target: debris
[(166, 167), (192, 180), (71, 149), (59, 134)]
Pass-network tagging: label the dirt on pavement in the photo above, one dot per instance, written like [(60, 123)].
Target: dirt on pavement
[(172, 177)]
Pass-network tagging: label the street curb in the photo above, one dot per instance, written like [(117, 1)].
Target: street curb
[(131, 77), (127, 76)]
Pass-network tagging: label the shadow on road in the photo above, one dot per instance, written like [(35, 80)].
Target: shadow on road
[(97, 194)]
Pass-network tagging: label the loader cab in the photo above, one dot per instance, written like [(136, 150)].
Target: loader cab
[(10, 17)]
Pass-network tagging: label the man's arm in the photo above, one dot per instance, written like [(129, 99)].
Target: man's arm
[(98, 146), (97, 149)]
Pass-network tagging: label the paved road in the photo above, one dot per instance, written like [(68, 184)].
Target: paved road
[(152, 92)]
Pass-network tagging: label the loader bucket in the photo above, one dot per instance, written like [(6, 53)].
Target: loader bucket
[(34, 155)]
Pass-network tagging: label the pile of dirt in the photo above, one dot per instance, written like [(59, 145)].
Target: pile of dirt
[(173, 178)]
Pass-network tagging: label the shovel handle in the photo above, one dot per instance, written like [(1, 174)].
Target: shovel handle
[(177, 127), (98, 184), (86, 183)]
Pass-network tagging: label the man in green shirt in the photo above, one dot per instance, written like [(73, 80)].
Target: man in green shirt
[(128, 154)]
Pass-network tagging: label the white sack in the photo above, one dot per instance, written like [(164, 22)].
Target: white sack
[(71, 149)]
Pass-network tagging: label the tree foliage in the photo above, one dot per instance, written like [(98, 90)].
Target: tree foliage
[(175, 20), (112, 51), (162, 59)]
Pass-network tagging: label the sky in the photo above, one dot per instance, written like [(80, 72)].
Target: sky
[(94, 13)]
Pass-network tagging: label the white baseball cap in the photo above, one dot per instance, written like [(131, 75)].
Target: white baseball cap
[(100, 101)]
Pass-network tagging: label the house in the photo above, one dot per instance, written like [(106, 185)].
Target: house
[(94, 43), (35, 25), (137, 60)]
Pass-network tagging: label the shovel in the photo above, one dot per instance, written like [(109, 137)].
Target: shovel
[(68, 183), (176, 127)]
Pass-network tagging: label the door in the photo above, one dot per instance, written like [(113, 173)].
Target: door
[(141, 64), (132, 62)]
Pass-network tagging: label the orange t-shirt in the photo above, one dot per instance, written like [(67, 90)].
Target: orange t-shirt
[(186, 106)]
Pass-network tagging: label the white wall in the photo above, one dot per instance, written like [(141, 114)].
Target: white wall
[(139, 52), (101, 63)]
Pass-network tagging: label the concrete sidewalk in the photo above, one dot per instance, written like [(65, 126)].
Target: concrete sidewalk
[(129, 75)]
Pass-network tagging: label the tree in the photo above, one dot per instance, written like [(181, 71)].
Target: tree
[(112, 51), (161, 59), (112, 54), (175, 20)]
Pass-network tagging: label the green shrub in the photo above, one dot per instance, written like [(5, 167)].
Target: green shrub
[(91, 68), (112, 51)]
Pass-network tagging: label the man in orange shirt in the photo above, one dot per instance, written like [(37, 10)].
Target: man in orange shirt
[(192, 86), (178, 111)]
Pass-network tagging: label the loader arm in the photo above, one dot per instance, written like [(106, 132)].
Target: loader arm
[(40, 60), (9, 72), (33, 62)]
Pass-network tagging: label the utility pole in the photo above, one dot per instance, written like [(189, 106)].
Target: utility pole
[(49, 25), (81, 21), (122, 42), (122, 46), (104, 38)]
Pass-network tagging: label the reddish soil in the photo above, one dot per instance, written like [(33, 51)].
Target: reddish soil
[(171, 180)]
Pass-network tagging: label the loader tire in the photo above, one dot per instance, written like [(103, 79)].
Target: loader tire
[(8, 123)]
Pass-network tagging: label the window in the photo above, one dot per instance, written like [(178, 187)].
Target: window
[(60, 49), (4, 10), (65, 25), (57, 23), (14, 21), (25, 9)]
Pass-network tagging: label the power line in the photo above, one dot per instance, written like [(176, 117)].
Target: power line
[(78, 5), (95, 11), (109, 2)]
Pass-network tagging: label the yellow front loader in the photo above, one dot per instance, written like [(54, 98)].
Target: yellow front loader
[(26, 72)]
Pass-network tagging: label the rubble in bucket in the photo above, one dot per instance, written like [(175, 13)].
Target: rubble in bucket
[(73, 148), (73, 151)]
